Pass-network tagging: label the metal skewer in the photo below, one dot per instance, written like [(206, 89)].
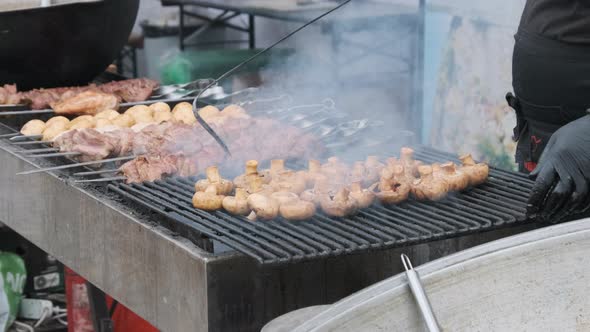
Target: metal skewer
[(59, 154), (115, 178), (103, 171), (32, 142), (39, 150), (94, 162), (9, 135), (23, 137), (420, 295)]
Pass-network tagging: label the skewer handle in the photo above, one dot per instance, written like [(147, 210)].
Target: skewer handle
[(420, 295)]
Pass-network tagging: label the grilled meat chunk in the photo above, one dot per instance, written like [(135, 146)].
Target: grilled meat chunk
[(88, 102)]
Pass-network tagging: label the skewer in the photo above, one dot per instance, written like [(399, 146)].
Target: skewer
[(104, 171), (9, 135), (23, 137), (94, 162), (32, 142), (121, 106), (39, 150), (115, 178), (420, 295), (59, 154), (45, 111)]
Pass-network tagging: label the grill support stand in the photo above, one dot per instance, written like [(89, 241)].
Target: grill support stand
[(169, 281)]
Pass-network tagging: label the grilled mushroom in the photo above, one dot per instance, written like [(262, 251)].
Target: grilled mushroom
[(410, 165), (264, 206), (335, 170), (363, 197), (313, 172), (297, 210), (284, 197), (428, 187), (289, 181), (339, 205), (393, 186), (208, 200), (238, 204), (456, 179), (373, 169), (223, 186), (246, 180), (358, 172), (478, 173)]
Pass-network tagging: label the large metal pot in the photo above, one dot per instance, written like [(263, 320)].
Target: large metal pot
[(535, 281), (63, 44)]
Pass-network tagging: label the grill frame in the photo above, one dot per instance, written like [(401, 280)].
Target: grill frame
[(499, 203)]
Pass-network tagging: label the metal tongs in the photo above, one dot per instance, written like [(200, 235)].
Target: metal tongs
[(420, 295)]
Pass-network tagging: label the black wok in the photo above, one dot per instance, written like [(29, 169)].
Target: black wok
[(63, 45)]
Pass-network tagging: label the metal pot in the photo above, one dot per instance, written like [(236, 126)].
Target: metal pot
[(535, 281), (64, 44)]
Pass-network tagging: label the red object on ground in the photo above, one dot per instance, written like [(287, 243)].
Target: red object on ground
[(79, 314)]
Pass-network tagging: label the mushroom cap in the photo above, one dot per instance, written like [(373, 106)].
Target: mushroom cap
[(236, 205), (208, 200), (265, 207), (284, 197), (297, 210), (339, 205)]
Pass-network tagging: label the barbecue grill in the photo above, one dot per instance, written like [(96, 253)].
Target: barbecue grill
[(180, 267)]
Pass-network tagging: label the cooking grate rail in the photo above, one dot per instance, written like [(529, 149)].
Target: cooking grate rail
[(498, 203)]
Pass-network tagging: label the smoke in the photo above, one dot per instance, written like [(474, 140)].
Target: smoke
[(361, 57)]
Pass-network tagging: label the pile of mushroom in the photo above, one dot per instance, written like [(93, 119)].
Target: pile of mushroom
[(335, 188)]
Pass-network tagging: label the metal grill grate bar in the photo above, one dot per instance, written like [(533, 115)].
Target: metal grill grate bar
[(498, 203)]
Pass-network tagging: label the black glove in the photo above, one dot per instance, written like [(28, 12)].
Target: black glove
[(562, 175)]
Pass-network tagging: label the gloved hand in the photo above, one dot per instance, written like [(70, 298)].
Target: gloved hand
[(563, 172)]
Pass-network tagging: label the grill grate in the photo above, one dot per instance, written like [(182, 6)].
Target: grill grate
[(498, 203)]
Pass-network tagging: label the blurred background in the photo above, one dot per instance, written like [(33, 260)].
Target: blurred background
[(440, 68)]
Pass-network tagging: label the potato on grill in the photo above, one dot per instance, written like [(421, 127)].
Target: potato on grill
[(108, 114), (183, 113), (160, 107), (123, 121), (57, 119), (33, 127)]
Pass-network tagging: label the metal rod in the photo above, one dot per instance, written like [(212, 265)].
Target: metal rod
[(104, 171), (9, 135), (242, 64), (23, 137), (59, 154), (94, 162), (32, 142), (45, 111), (39, 150), (420, 295), (115, 178)]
